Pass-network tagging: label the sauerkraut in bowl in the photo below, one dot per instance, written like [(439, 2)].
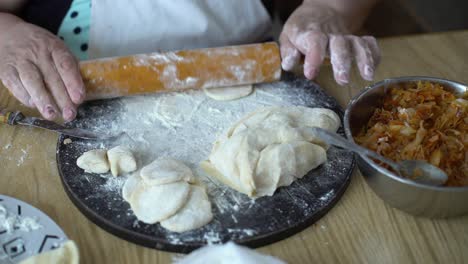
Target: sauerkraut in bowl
[(421, 120)]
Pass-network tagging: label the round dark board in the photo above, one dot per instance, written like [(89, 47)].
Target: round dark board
[(265, 221)]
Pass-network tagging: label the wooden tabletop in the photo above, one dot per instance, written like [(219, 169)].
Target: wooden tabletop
[(361, 228)]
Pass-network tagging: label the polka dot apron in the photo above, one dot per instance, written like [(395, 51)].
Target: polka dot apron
[(74, 30)]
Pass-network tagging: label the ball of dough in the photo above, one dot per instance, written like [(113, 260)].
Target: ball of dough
[(195, 213), (165, 170), (121, 160), (152, 204), (94, 161)]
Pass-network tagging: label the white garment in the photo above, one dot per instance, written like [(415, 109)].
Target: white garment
[(123, 27), (228, 253)]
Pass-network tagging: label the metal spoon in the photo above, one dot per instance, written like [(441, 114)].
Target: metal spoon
[(416, 170)]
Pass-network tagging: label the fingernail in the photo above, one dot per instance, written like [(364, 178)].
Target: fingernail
[(66, 64), (342, 78), (68, 114), (310, 72), (368, 72), (81, 94), (76, 96), (31, 102), (50, 111), (287, 63)]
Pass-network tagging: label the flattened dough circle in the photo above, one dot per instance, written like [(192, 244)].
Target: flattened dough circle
[(130, 185), (165, 170), (228, 93), (195, 213), (152, 204)]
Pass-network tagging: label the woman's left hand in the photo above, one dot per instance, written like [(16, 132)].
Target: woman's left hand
[(315, 31)]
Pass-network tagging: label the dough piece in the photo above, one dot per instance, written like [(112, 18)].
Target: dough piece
[(280, 164), (298, 117), (228, 93), (195, 213), (66, 254), (307, 156), (130, 185), (270, 148), (152, 204), (164, 195), (94, 161), (233, 162), (121, 160), (165, 170), (227, 253)]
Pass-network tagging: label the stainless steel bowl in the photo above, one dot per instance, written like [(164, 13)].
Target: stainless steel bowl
[(406, 195)]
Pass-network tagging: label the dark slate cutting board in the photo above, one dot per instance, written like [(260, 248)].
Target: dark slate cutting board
[(252, 223)]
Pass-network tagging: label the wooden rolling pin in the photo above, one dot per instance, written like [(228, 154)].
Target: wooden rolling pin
[(179, 70)]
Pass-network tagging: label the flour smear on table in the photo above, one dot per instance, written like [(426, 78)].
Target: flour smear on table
[(184, 126)]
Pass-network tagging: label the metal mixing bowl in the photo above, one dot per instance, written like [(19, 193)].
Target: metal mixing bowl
[(404, 194)]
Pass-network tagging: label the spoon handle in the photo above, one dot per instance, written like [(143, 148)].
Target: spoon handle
[(334, 139)]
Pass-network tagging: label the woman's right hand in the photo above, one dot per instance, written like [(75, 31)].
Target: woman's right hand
[(38, 69)]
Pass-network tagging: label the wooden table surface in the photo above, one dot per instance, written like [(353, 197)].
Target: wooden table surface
[(361, 228)]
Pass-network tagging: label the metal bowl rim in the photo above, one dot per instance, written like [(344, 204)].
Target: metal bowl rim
[(382, 170)]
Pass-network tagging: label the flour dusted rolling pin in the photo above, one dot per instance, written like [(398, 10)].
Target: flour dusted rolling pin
[(179, 70)]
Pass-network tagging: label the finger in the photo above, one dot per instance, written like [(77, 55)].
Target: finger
[(314, 46), (10, 79), (67, 67), (340, 56), (33, 83), (364, 59), (374, 47), (55, 85), (289, 54)]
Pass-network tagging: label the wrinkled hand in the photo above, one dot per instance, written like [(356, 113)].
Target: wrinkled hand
[(316, 31), (39, 71)]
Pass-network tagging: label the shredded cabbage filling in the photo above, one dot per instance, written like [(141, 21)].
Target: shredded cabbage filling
[(422, 121)]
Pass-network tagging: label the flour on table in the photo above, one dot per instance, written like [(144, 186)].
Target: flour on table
[(23, 156)]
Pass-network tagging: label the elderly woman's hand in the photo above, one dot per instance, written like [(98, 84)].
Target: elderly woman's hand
[(317, 30), (37, 68)]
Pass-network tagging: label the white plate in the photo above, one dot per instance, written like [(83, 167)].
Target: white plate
[(19, 244)]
